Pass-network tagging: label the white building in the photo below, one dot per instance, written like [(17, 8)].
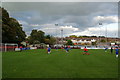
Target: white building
[(83, 41)]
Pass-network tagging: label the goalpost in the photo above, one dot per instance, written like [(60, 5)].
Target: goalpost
[(10, 46)]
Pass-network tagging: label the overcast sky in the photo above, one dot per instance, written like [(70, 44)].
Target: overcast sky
[(75, 18)]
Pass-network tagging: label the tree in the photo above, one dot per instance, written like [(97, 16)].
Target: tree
[(50, 39), (36, 42), (85, 36), (36, 35), (94, 43), (47, 41), (73, 36), (94, 36), (80, 36), (102, 40), (0, 24), (69, 42), (11, 29), (48, 36)]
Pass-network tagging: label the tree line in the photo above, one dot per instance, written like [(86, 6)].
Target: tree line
[(12, 31), (74, 36), (38, 36)]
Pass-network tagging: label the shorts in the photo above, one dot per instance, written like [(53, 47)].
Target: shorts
[(85, 51), (67, 50), (116, 53), (48, 50)]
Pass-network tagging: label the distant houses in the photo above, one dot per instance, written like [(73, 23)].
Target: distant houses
[(90, 40), (83, 42)]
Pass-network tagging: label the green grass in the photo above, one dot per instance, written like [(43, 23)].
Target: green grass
[(59, 64)]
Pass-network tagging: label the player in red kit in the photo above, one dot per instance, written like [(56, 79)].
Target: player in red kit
[(86, 51)]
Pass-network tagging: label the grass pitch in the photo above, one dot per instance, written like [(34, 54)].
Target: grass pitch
[(59, 64)]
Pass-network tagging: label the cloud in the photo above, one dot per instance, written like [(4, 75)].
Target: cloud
[(29, 17), (110, 30), (69, 27), (56, 30), (34, 25), (23, 22), (60, 1), (74, 17), (106, 19)]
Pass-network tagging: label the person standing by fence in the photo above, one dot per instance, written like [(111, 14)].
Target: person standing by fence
[(111, 49)]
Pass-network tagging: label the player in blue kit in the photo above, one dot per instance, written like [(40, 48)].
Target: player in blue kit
[(67, 49), (117, 52), (49, 50), (106, 49)]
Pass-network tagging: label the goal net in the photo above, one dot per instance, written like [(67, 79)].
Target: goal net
[(8, 46)]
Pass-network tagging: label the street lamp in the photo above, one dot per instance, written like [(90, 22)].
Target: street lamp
[(62, 35), (100, 32), (106, 34), (56, 33)]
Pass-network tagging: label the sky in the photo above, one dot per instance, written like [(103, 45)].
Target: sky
[(74, 18)]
